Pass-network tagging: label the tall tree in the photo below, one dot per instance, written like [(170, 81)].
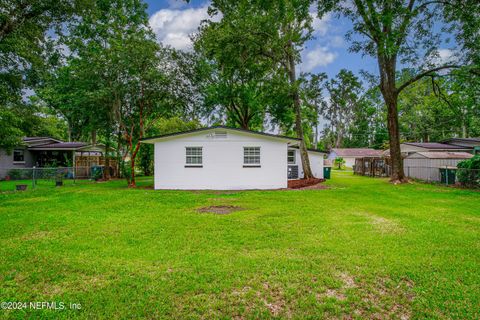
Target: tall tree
[(272, 32), (344, 98), (394, 31), (117, 80), (237, 81), (312, 87), (24, 43)]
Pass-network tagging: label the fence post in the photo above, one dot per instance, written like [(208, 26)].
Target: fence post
[(33, 177), (446, 175)]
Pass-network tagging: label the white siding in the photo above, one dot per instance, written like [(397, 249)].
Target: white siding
[(222, 162), (316, 163)]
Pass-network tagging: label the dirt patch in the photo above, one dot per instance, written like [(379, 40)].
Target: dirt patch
[(302, 183), (38, 235), (381, 224), (348, 280), (273, 299), (318, 186), (335, 294), (219, 209)]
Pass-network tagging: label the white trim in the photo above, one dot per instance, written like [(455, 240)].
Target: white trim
[(252, 156), (194, 156), (294, 157)]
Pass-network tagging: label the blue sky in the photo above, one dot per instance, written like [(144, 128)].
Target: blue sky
[(174, 20)]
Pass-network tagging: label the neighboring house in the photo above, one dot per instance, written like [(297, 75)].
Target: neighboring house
[(45, 151), (351, 154), (426, 165), (472, 143), (408, 148), (223, 158)]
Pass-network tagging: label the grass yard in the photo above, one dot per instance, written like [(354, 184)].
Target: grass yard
[(361, 249)]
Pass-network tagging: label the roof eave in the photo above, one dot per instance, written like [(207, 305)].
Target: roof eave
[(154, 139)]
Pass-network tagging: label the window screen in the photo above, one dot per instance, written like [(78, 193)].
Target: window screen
[(194, 155), (251, 155), (291, 157)]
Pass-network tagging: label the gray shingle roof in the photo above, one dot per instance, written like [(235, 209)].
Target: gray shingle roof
[(434, 145), (443, 155)]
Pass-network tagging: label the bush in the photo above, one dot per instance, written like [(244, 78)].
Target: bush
[(468, 173), (19, 174)]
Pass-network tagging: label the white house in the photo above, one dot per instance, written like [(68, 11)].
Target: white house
[(351, 154), (223, 158)]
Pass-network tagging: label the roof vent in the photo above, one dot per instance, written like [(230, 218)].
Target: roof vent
[(220, 134)]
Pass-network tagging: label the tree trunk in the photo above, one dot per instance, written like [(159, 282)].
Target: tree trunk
[(132, 183), (307, 171), (133, 156), (106, 171), (390, 95)]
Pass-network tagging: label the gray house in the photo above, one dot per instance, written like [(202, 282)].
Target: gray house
[(471, 143), (47, 152)]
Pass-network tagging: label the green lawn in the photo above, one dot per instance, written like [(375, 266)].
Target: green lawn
[(362, 248)]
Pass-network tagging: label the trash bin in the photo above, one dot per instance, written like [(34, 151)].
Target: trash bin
[(326, 172), (96, 172), (448, 175)]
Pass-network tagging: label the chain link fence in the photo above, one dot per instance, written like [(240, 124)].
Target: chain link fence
[(24, 178)]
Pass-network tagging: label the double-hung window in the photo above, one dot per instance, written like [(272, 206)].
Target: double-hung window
[(291, 157), (251, 156), (194, 156)]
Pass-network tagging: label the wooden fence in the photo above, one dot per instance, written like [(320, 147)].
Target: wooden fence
[(372, 167), (84, 163)]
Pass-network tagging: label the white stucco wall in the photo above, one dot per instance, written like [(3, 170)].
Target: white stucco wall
[(223, 167), (316, 163)]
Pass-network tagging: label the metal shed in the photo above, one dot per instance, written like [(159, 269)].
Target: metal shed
[(426, 165)]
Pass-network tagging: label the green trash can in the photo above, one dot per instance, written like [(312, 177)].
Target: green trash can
[(326, 172), (448, 175)]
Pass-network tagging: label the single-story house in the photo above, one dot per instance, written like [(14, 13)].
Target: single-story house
[(42, 152), (224, 158), (426, 165), (351, 154), (408, 148), (472, 143)]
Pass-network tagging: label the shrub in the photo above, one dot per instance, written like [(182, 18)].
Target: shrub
[(19, 174), (468, 172)]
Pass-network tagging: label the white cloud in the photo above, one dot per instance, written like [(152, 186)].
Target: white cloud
[(318, 57), (174, 26), (320, 26), (445, 55), (442, 56)]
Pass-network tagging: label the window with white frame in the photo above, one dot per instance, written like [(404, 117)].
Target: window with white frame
[(19, 155), (194, 156), (291, 157), (251, 156)]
